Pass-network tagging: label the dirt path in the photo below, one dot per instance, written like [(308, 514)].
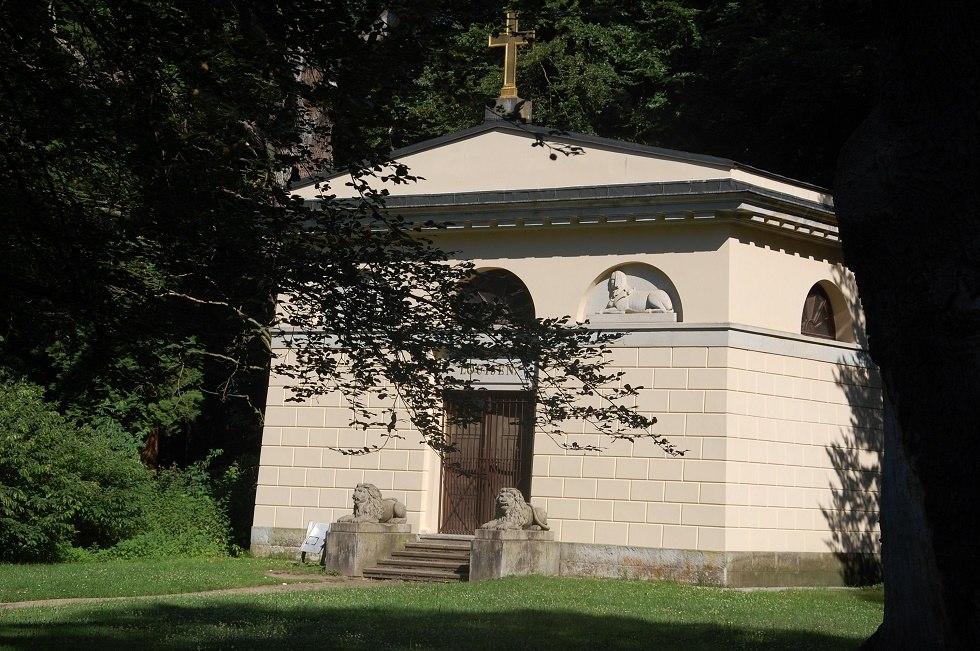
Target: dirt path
[(291, 583)]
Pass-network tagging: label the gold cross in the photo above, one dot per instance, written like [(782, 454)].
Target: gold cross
[(509, 40)]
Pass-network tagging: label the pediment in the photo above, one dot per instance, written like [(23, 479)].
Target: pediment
[(502, 157), (499, 159)]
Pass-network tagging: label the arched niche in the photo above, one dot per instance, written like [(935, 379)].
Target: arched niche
[(631, 295), (826, 313), (495, 285)]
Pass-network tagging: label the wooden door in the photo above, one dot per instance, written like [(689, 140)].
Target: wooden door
[(493, 453)]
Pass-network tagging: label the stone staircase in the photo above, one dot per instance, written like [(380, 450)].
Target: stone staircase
[(435, 558)]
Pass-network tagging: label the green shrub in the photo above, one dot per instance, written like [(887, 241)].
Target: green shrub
[(235, 490), (114, 487), (39, 490), (180, 517), (73, 493)]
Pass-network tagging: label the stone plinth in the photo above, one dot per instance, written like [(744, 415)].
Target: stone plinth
[(631, 319), (352, 546), (496, 553)]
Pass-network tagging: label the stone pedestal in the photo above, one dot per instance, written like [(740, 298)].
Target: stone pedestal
[(497, 553), (352, 546), (506, 107)]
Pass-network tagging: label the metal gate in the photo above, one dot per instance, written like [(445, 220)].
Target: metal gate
[(490, 454)]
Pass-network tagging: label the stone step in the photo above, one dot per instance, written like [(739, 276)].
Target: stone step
[(427, 546), (446, 537), (414, 574), (416, 552), (425, 543), (453, 565), (434, 558)]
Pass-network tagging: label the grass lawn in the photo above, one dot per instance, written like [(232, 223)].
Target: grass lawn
[(513, 613), (135, 578)]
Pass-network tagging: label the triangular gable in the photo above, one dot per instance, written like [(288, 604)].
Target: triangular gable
[(500, 156)]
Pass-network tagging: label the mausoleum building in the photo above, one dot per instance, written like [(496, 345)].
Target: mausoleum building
[(743, 326)]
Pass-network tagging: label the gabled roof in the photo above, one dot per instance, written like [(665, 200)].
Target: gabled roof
[(498, 156), (499, 173)]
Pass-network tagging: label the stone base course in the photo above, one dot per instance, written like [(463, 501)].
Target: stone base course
[(644, 563), (351, 547)]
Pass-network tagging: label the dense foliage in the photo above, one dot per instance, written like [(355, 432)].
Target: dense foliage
[(67, 492), (776, 84), (145, 149), (36, 495)]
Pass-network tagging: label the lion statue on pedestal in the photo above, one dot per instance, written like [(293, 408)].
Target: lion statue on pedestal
[(514, 513), (369, 506)]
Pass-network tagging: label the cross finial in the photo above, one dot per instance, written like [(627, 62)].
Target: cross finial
[(510, 39)]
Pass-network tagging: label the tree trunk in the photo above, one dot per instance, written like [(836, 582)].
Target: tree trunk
[(908, 203)]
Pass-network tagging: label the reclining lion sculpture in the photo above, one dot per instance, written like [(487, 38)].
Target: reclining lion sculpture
[(514, 513), (369, 506), (625, 299)]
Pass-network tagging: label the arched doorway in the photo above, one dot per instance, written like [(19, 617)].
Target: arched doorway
[(491, 427)]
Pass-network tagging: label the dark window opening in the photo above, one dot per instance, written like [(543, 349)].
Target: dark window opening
[(501, 288), (818, 315)]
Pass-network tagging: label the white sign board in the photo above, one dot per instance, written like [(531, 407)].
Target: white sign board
[(316, 536)]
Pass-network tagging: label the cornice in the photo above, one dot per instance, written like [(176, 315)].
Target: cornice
[(679, 201)]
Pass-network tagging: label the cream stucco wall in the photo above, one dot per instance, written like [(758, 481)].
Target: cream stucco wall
[(758, 407), (303, 477), (758, 417), (767, 270), (757, 474), (560, 266), (723, 273)]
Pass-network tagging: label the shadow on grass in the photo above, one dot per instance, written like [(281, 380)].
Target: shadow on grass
[(267, 627)]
